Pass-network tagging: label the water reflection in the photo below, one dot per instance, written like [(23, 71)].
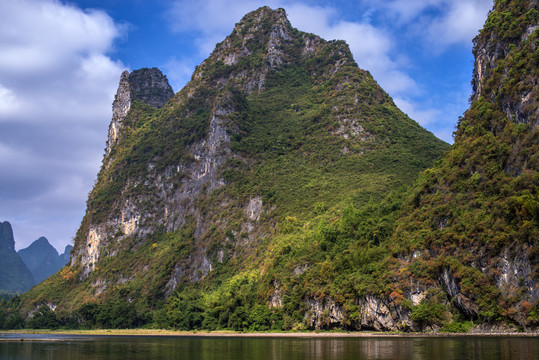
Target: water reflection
[(207, 348)]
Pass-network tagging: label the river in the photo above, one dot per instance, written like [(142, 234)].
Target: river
[(80, 347)]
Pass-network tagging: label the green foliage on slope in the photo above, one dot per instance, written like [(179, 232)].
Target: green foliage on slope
[(321, 144), (337, 254), (477, 209)]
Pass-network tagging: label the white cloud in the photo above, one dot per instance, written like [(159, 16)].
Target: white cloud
[(424, 117), (53, 60), (441, 23), (39, 36), (57, 84), (460, 23), (9, 103)]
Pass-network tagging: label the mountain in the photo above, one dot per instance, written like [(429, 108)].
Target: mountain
[(65, 256), (42, 259), (467, 240), (14, 275), (262, 195)]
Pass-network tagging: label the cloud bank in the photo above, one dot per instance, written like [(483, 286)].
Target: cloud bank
[(56, 86)]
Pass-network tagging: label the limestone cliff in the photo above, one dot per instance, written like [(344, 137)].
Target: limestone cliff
[(470, 229), (147, 85), (250, 192), (497, 62)]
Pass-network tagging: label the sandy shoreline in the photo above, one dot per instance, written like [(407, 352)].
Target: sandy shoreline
[(314, 334)]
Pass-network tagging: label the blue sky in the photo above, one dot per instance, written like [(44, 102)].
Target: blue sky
[(60, 63)]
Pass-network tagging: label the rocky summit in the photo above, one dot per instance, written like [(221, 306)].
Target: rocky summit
[(276, 191)]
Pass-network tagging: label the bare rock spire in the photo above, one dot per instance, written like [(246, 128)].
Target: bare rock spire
[(147, 85)]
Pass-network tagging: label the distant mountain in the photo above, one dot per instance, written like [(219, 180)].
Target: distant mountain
[(14, 274), (67, 253), (42, 259)]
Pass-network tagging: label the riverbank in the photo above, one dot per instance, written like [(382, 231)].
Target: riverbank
[(311, 334)]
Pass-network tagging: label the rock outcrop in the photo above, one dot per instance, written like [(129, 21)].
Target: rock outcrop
[(496, 63), (263, 43), (147, 85)]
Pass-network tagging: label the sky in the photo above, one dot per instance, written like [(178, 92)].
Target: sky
[(60, 64)]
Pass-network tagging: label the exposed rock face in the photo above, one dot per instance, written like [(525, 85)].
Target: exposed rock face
[(324, 314), (381, 314), (516, 273), (275, 46), (147, 85), (120, 107), (492, 62), (463, 302), (374, 314), (208, 155), (150, 86)]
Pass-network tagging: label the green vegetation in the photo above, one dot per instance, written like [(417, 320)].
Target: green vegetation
[(478, 207), (10, 317), (457, 326)]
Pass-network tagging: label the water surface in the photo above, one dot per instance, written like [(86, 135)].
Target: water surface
[(59, 347)]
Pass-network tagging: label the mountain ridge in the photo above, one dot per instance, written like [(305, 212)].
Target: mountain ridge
[(42, 259)]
